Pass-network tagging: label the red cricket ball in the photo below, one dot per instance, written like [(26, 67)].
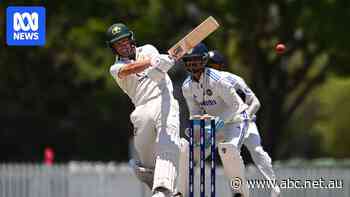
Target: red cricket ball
[(280, 48)]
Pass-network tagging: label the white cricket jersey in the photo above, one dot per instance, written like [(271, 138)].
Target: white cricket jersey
[(215, 93), (139, 87)]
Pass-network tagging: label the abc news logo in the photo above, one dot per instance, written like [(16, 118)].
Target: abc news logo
[(29, 29), (25, 25)]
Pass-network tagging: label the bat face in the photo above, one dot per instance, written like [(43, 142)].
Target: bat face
[(193, 38)]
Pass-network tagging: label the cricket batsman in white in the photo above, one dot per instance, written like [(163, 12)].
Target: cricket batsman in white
[(227, 97), (141, 72)]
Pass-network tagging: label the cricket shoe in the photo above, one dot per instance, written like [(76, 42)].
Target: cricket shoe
[(275, 192), (177, 194), (162, 193)]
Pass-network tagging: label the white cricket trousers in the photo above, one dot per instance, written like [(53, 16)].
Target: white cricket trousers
[(248, 135), (156, 138), (260, 157)]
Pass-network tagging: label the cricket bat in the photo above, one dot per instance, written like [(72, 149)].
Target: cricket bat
[(193, 38)]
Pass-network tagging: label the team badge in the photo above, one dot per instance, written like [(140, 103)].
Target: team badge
[(209, 92), (116, 30)]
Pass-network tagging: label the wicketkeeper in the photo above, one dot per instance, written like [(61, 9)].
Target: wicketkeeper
[(227, 97)]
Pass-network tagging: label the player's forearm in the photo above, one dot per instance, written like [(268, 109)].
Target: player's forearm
[(163, 62), (253, 106), (133, 68), (160, 64)]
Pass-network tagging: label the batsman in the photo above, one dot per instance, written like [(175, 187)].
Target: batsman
[(227, 97), (141, 72)]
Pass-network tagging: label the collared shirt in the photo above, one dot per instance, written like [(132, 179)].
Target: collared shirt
[(139, 87), (215, 93)]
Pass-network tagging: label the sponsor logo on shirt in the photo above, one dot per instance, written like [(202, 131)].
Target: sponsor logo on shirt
[(141, 77), (208, 103), (209, 92)]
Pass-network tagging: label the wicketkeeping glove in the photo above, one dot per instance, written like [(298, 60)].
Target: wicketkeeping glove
[(219, 123)]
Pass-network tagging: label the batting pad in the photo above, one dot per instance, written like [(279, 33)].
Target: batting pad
[(234, 167), (165, 172), (182, 185)]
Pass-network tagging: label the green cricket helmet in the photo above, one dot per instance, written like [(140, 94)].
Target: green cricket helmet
[(117, 32)]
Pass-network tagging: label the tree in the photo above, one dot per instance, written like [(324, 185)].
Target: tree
[(316, 44)]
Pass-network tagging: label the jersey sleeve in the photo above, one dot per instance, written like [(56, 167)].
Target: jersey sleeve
[(115, 68), (160, 61), (228, 93), (192, 104), (247, 96), (153, 72), (149, 51)]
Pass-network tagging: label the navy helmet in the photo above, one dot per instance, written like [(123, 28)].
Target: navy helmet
[(199, 52), (217, 60), (196, 59), (200, 49)]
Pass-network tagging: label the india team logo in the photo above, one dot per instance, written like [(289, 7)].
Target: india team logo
[(209, 92), (25, 25)]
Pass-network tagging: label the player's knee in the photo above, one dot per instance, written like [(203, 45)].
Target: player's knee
[(184, 152), (168, 138), (145, 175), (260, 153), (228, 148)]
